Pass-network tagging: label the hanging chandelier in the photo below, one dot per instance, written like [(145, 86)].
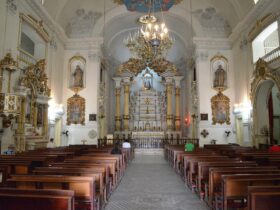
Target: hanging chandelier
[(152, 40)]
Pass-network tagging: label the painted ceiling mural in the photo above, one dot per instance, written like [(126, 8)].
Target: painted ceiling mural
[(143, 6)]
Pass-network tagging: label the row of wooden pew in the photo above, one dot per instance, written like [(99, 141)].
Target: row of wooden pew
[(229, 176), (80, 177)]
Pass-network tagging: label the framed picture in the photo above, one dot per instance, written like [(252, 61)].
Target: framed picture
[(203, 116), (92, 117), (76, 110), (77, 65), (220, 105)]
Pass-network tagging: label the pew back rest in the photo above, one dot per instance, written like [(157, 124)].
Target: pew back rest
[(84, 187), (10, 199)]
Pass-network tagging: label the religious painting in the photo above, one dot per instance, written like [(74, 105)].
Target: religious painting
[(40, 114), (219, 70), (220, 105), (76, 79), (76, 110)]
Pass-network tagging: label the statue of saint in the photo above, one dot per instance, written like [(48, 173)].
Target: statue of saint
[(78, 77), (220, 77)]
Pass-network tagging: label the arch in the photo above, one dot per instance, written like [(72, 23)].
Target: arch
[(264, 80)]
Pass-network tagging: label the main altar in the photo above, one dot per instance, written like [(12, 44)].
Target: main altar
[(147, 99)]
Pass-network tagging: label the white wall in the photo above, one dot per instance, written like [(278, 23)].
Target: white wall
[(206, 92), (90, 93)]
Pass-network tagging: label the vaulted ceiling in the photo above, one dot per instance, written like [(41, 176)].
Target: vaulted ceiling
[(85, 18)]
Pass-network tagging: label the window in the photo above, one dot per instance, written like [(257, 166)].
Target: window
[(266, 41), (256, 1)]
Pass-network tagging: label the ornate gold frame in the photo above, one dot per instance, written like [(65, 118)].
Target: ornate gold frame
[(262, 24), (76, 102), (220, 101), (71, 60), (41, 31), (261, 74)]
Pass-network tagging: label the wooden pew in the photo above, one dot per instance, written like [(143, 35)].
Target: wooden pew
[(112, 164), (215, 177), (15, 199), (83, 187), (108, 167), (97, 172), (203, 170), (235, 187), (192, 170), (263, 197)]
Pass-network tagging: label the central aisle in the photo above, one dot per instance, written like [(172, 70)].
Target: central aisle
[(151, 184)]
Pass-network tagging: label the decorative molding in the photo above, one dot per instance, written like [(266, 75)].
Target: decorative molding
[(37, 25), (212, 43), (212, 22), (261, 24), (220, 105), (11, 5), (39, 9), (84, 43), (82, 24), (262, 73), (249, 19)]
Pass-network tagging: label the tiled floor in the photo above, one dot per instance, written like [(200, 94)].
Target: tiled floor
[(151, 184)]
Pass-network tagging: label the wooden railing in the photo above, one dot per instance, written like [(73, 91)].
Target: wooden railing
[(149, 143)]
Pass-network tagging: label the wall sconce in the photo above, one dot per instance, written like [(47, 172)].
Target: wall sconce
[(227, 132), (204, 133)]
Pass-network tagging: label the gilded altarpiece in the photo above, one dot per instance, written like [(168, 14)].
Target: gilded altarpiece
[(76, 110), (220, 105), (33, 122)]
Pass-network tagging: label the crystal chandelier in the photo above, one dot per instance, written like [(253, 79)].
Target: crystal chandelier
[(152, 40)]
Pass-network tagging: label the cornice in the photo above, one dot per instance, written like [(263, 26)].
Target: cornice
[(84, 43), (212, 43), (249, 20), (47, 19)]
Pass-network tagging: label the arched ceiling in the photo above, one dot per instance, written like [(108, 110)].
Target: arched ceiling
[(84, 18)]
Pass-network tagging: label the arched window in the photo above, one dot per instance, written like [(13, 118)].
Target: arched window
[(266, 41)]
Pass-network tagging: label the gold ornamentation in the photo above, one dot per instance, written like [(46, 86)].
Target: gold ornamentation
[(262, 24), (8, 63), (77, 66), (220, 105), (262, 73), (76, 110), (135, 66), (10, 104), (219, 67), (37, 25), (120, 2), (36, 79)]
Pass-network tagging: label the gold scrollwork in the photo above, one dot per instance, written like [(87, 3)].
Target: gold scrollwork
[(135, 66), (36, 79), (262, 73), (220, 105), (262, 24), (76, 110)]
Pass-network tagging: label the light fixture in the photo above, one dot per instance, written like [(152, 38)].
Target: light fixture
[(152, 40)]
